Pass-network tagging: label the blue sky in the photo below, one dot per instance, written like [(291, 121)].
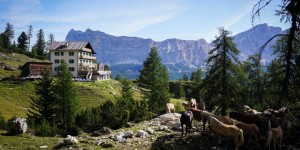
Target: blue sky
[(155, 19)]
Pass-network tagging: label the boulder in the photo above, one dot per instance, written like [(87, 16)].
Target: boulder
[(150, 130), (128, 134), (70, 140), (119, 136), (98, 142), (162, 128), (176, 126), (96, 133), (106, 145), (9, 68), (105, 131), (142, 134)]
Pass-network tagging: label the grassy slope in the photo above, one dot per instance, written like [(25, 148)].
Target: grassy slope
[(13, 60), (15, 98)]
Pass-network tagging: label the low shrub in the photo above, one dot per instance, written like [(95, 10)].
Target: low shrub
[(2, 122), (74, 131), (10, 126), (178, 107), (45, 129)]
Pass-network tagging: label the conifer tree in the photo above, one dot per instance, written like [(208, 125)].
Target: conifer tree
[(8, 35), (22, 41), (277, 73), (195, 87), (289, 13), (222, 82), (154, 79), (29, 35), (179, 90), (185, 78), (43, 107), (255, 74), (1, 40), (51, 38), (67, 100), (34, 52), (118, 77), (40, 43)]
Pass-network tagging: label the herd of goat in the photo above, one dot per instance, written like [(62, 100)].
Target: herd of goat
[(269, 125)]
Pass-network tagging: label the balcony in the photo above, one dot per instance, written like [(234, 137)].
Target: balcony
[(85, 72), (88, 65), (104, 72), (87, 57)]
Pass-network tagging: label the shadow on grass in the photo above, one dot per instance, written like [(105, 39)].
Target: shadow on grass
[(208, 141), (193, 141)]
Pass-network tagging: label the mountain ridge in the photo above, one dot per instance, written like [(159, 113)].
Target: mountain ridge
[(119, 50)]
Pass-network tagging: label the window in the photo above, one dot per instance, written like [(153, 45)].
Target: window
[(80, 60), (56, 53), (62, 53), (56, 68), (71, 61), (71, 68), (71, 53), (56, 61)]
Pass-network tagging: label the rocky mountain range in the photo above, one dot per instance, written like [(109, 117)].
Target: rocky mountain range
[(126, 55)]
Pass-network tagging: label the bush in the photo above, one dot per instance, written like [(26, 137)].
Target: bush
[(74, 131), (178, 107), (10, 126), (2, 122), (45, 129), (113, 115)]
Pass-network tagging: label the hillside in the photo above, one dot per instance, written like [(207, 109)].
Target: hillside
[(13, 60), (15, 97)]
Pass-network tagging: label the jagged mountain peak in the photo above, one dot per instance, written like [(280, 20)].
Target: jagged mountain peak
[(116, 50)]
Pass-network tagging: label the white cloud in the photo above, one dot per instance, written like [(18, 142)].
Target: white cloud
[(246, 10), (20, 12), (113, 18)]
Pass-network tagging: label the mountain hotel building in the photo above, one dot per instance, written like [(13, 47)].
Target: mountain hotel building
[(80, 59)]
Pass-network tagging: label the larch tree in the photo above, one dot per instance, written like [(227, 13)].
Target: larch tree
[(277, 73), (254, 72), (8, 35), (40, 43), (221, 83), (51, 38), (29, 35), (196, 89), (34, 52), (22, 41), (179, 90), (290, 13), (66, 96), (154, 81), (185, 78), (43, 107)]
